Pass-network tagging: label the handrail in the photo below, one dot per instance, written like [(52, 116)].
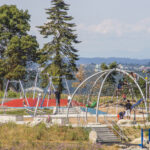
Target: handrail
[(112, 123), (121, 132)]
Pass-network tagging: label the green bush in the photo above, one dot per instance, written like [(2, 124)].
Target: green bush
[(12, 94), (1, 94), (17, 112)]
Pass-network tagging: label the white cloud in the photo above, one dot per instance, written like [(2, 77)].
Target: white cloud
[(111, 26)]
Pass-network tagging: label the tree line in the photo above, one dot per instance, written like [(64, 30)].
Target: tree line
[(19, 49)]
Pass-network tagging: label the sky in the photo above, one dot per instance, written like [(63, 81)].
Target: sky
[(107, 28)]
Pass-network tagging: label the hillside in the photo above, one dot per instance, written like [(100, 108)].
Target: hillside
[(99, 60)]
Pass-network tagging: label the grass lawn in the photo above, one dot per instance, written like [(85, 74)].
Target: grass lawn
[(24, 112)]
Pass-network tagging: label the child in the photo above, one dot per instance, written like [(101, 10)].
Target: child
[(124, 97), (121, 115)]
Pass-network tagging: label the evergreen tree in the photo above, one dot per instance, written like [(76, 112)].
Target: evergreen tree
[(112, 65), (17, 47), (58, 56)]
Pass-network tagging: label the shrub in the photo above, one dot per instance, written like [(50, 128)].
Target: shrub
[(1, 94), (11, 94)]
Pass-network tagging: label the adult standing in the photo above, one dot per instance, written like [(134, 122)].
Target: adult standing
[(57, 95), (128, 109)]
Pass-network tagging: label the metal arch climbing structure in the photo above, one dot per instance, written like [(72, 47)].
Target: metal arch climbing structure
[(98, 73), (101, 74), (100, 91), (89, 95), (126, 73)]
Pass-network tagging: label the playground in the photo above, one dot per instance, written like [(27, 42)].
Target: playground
[(87, 106), (84, 99)]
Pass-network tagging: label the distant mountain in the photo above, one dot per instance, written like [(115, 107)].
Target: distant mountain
[(99, 60)]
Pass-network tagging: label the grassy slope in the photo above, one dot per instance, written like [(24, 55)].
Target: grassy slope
[(41, 138)]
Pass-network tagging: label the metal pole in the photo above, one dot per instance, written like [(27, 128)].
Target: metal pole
[(67, 86), (149, 135), (117, 105), (141, 138), (99, 94), (149, 90), (23, 92), (35, 85), (146, 88), (92, 90), (146, 94), (5, 92), (49, 92), (149, 97), (37, 104)]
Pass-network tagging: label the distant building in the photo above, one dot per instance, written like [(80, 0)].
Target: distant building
[(120, 66), (97, 67)]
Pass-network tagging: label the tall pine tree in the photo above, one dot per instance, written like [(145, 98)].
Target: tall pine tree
[(58, 57)]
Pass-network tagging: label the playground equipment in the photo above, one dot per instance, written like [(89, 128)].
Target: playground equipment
[(51, 86), (101, 78), (22, 91), (50, 89), (142, 137), (41, 103)]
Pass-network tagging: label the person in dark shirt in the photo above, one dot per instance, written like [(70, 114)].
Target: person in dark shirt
[(128, 109), (121, 115), (57, 95)]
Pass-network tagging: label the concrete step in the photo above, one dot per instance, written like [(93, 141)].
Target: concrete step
[(105, 135), (73, 110)]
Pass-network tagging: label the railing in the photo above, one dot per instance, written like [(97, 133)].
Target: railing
[(118, 131), (121, 133)]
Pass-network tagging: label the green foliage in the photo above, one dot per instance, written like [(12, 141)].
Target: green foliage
[(1, 94), (147, 133), (58, 56), (11, 94), (132, 85), (110, 66), (19, 52), (104, 66), (113, 65), (111, 78), (16, 112), (17, 47)]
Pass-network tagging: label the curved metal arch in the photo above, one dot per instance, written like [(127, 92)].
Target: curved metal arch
[(137, 75), (81, 85), (89, 95), (100, 91), (126, 73)]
